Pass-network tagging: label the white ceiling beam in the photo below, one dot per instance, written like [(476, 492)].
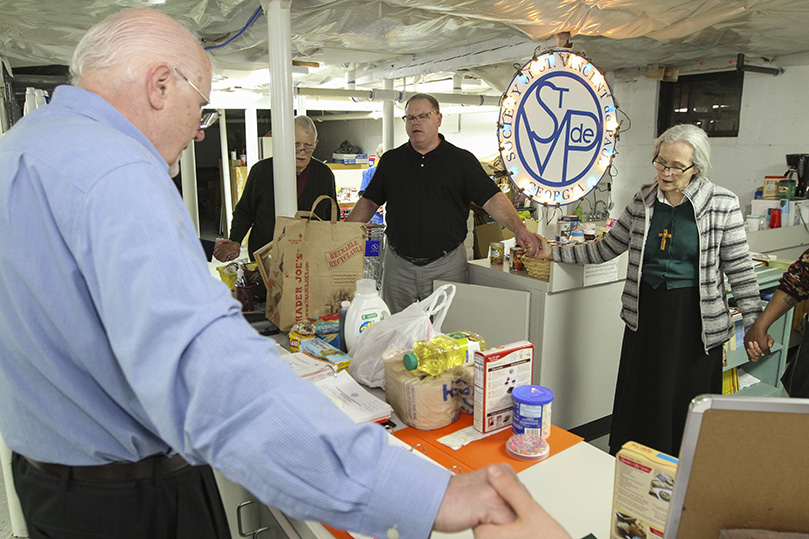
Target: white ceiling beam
[(480, 54)]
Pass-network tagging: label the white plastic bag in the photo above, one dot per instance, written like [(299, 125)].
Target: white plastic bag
[(398, 331)]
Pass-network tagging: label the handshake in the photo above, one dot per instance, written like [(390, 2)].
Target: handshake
[(497, 505)]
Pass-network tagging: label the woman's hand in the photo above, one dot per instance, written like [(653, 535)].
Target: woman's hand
[(532, 522)]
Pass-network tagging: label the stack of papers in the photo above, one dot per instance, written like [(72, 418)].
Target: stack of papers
[(353, 399), (308, 367)]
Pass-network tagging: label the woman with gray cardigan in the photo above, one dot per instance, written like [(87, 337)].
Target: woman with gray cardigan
[(682, 233)]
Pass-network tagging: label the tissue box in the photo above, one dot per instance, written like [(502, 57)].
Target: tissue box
[(428, 402), (644, 482), (497, 372)]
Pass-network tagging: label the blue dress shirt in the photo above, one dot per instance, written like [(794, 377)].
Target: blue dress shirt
[(117, 344)]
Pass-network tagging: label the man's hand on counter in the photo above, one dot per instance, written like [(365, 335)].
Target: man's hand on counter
[(532, 520), (226, 250)]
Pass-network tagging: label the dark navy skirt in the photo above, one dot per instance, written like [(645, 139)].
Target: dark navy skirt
[(663, 366)]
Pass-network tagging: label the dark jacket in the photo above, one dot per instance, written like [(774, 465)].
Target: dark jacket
[(256, 207)]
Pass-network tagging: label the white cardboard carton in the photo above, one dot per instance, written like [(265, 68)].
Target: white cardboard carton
[(497, 372)]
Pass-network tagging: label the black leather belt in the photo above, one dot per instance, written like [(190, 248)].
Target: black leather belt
[(116, 472), (420, 261)]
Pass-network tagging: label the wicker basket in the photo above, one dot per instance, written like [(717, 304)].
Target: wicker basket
[(538, 268)]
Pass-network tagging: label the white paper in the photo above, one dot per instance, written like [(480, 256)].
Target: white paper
[(746, 379), (356, 401), (460, 438), (601, 273), (308, 367)]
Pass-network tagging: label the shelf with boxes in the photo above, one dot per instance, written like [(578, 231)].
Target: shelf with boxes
[(793, 213), (761, 378)]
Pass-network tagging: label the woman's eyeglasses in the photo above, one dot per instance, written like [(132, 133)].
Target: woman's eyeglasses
[(674, 171)]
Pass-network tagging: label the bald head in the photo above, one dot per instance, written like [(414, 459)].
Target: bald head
[(127, 43), (152, 70)]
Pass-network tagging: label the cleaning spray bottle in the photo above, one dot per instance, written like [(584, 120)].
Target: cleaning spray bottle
[(366, 308)]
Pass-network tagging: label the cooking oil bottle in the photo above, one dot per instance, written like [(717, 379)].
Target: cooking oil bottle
[(443, 352)]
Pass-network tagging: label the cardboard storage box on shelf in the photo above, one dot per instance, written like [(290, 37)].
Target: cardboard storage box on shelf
[(644, 482), (498, 371)]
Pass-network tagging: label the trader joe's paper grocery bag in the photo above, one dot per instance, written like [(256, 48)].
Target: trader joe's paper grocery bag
[(311, 266)]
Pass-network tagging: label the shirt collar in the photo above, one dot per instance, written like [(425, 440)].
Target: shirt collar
[(95, 107), (438, 149)]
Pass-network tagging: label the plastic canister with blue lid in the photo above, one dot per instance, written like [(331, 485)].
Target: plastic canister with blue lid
[(532, 410)]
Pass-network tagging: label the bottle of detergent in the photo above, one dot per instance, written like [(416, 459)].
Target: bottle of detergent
[(366, 308), (344, 305)]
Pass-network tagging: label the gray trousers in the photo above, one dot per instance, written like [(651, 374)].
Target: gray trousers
[(404, 283)]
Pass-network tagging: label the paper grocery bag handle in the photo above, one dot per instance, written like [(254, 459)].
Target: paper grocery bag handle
[(335, 209)]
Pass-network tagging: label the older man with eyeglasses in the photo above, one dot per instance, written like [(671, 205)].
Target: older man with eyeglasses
[(427, 185), (127, 371), (256, 208)]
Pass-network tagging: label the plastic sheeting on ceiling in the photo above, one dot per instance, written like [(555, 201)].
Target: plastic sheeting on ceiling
[(373, 36)]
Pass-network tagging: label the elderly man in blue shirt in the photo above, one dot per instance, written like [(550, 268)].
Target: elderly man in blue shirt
[(127, 375)]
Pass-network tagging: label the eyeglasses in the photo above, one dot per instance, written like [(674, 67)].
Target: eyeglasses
[(674, 171), (205, 99), (208, 119), (305, 146), (419, 117)]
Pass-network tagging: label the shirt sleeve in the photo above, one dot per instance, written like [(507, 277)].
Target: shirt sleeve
[(795, 280), (615, 242), (480, 186), (217, 392), (244, 213), (375, 189), (736, 264)]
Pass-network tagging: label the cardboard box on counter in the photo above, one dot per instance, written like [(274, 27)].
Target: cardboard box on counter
[(644, 482), (489, 233)]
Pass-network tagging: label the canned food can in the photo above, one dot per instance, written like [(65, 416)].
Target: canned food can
[(532, 410), (496, 252), (516, 258)]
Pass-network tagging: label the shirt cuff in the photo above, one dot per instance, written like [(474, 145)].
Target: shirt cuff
[(406, 496)]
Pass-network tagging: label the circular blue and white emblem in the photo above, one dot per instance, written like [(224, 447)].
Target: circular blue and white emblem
[(557, 127)]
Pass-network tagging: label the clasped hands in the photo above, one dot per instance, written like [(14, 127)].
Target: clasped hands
[(535, 245), (496, 504)]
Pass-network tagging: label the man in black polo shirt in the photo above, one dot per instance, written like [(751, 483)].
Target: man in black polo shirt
[(428, 185)]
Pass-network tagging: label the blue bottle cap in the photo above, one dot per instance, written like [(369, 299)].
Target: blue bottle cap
[(532, 395)]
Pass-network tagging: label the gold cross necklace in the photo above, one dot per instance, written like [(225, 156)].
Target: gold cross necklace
[(663, 237)]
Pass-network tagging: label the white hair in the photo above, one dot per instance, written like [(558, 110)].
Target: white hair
[(129, 42), (306, 123), (694, 137)]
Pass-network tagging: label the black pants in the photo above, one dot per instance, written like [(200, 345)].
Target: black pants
[(181, 505)]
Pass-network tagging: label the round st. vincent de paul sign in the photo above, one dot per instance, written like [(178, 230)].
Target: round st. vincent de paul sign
[(557, 127)]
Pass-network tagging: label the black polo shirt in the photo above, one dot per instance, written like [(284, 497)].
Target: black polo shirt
[(428, 197)]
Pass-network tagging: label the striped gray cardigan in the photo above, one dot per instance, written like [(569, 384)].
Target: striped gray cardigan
[(723, 249)]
